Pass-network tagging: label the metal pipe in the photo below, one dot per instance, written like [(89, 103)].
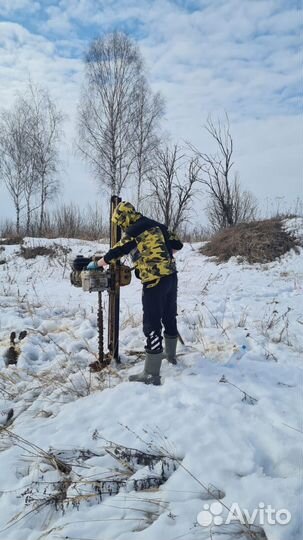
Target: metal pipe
[(114, 292), (100, 329)]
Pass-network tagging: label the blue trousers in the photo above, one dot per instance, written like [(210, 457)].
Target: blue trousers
[(160, 310)]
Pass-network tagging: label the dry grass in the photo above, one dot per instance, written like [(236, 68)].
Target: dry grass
[(256, 242), (11, 241), (33, 252), (50, 251)]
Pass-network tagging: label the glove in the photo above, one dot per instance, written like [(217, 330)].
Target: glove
[(92, 266), (101, 262)]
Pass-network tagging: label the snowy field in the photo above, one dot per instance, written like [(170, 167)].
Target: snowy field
[(224, 429)]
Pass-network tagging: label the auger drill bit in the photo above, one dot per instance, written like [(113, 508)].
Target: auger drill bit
[(100, 329)]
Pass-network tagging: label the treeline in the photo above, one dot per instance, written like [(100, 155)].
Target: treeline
[(64, 221), (89, 223), (120, 136), (29, 154)]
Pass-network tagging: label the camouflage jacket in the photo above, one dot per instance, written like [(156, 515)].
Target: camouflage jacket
[(150, 245)]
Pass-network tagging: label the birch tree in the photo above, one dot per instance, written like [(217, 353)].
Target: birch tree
[(15, 161), (29, 152), (117, 113), (45, 137), (146, 140)]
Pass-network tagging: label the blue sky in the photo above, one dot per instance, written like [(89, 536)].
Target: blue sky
[(205, 56)]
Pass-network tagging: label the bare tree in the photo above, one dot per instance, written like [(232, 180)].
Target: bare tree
[(228, 204), (244, 208), (29, 137), (115, 108), (149, 110), (44, 137), (173, 186), (15, 159), (31, 181)]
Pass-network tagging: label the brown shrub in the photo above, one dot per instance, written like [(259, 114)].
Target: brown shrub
[(256, 242), (11, 241), (33, 252), (51, 251)]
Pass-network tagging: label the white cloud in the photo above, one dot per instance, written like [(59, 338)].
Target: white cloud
[(10, 7), (23, 54), (206, 57), (240, 53), (58, 21), (267, 155)]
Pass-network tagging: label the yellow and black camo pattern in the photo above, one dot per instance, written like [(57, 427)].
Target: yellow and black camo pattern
[(125, 215), (152, 259), (173, 236)]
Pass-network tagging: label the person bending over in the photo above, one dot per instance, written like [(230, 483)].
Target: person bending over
[(151, 246)]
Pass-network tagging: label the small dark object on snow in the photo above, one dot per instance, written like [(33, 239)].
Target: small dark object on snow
[(11, 356), (8, 414), (97, 366), (12, 353)]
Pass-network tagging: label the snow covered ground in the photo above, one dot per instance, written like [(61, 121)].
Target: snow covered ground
[(224, 429)]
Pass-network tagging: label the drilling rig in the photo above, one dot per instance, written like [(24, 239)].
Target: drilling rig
[(110, 281)]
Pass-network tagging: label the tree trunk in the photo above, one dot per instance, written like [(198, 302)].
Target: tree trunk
[(139, 192), (43, 198), (28, 217), (17, 218)]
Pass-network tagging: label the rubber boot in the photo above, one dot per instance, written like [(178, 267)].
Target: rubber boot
[(151, 372), (170, 348)]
